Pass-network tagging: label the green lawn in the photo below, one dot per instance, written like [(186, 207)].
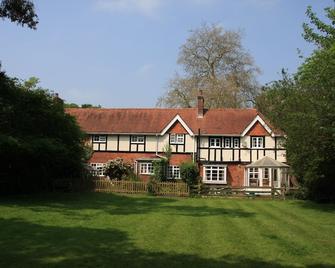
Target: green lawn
[(106, 230)]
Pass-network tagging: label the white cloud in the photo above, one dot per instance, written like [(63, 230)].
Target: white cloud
[(144, 7)]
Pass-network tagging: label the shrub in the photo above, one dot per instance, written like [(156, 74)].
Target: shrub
[(160, 168), (189, 173), (116, 169)]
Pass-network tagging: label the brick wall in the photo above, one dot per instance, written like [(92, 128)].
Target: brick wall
[(258, 130)]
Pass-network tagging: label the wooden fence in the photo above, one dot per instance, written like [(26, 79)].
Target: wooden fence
[(139, 187)]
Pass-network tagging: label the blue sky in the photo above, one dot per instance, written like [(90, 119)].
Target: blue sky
[(121, 53)]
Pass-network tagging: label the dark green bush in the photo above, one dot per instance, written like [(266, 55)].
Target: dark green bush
[(189, 173), (39, 142)]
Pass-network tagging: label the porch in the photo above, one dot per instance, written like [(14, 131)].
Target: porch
[(267, 172)]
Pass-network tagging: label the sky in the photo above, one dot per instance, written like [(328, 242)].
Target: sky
[(122, 53)]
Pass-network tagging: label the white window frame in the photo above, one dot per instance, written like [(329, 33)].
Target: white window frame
[(214, 142), (176, 138), (98, 169), (209, 179), (146, 168), (172, 171), (137, 139), (254, 174), (257, 142), (236, 142), (227, 140), (99, 138)]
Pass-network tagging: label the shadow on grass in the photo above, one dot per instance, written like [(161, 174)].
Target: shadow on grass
[(72, 204), (317, 206), (25, 244)]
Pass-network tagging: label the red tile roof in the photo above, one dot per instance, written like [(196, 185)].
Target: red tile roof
[(154, 120)]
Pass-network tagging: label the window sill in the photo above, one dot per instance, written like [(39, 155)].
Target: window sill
[(214, 182)]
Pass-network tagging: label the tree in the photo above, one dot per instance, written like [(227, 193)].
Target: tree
[(20, 11), (324, 34), (214, 61), (39, 142), (303, 105)]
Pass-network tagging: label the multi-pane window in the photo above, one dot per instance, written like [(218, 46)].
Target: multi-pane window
[(215, 142), (173, 172), (215, 174), (257, 142), (137, 139), (266, 174), (177, 138), (97, 169), (146, 168), (236, 142), (99, 138), (227, 142), (253, 177)]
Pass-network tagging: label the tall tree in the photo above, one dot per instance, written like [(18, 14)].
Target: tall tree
[(39, 142), (20, 11), (213, 60), (303, 105)]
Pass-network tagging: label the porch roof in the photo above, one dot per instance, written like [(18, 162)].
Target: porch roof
[(267, 162)]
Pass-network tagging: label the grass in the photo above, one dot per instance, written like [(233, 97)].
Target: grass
[(107, 230)]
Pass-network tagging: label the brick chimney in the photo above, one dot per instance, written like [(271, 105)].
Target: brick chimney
[(201, 104)]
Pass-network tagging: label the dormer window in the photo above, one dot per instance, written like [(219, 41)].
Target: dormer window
[(257, 142), (137, 139), (176, 138)]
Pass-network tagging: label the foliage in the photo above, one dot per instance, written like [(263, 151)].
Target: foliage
[(303, 106), (160, 169), (20, 11), (324, 34), (189, 173), (39, 142), (214, 61), (117, 169)]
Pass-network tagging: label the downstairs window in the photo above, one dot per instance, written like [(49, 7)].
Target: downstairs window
[(215, 174)]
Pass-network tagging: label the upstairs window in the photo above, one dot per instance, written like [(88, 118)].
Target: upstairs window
[(227, 142), (215, 142), (257, 142), (137, 139), (236, 142), (173, 172), (176, 138), (99, 138)]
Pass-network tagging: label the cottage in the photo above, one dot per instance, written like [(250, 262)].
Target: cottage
[(236, 147)]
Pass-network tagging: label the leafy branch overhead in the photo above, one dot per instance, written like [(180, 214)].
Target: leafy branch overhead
[(20, 11), (320, 33)]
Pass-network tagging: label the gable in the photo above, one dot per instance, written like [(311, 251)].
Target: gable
[(177, 128), (257, 130), (177, 119)]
